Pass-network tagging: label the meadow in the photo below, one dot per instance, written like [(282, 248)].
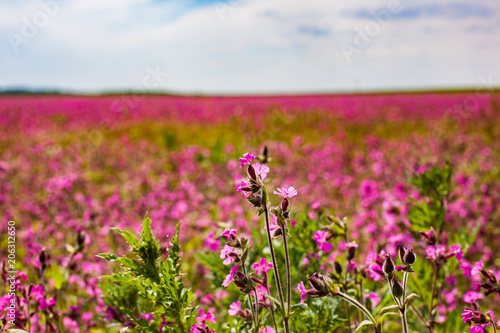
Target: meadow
[(371, 172)]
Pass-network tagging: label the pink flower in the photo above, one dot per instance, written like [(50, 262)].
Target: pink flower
[(261, 170), (477, 268), (351, 244), (230, 276), (203, 318), (286, 192), (476, 329), (273, 226), (243, 188), (247, 159), (211, 243), (456, 250), (226, 253), (472, 296), (267, 330), (262, 267), (434, 251), (374, 298), (303, 291), (229, 232), (234, 308), (320, 238)]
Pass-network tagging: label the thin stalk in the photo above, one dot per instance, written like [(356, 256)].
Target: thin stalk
[(288, 276), (348, 313), (402, 309), (419, 315), (274, 321), (360, 307), (252, 309), (431, 305), (276, 272), (494, 326), (404, 323)]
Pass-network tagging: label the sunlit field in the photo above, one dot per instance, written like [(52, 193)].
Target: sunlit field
[(371, 172)]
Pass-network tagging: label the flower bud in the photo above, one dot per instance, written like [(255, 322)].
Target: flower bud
[(251, 172), (401, 252), (351, 252), (397, 290), (430, 237), (320, 289), (410, 257), (284, 204), (388, 266)]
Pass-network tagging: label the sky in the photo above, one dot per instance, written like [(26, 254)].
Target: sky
[(249, 46)]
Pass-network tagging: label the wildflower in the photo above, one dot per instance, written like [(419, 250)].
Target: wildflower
[(229, 232), (456, 250), (286, 192), (261, 170), (262, 267), (303, 291), (472, 296), (234, 308), (267, 330), (247, 159), (374, 298), (229, 254), (321, 239), (212, 243), (230, 276), (204, 317), (477, 268)]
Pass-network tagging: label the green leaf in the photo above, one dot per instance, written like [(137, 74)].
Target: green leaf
[(131, 239), (108, 257), (297, 309), (410, 298), (57, 276), (265, 196), (389, 314), (387, 309), (364, 324)]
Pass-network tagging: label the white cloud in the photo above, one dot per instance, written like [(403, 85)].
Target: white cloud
[(260, 46)]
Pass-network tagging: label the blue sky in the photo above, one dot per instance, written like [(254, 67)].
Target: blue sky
[(249, 46)]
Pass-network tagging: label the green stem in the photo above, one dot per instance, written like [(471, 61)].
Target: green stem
[(288, 275), (431, 305), (348, 313), (254, 316), (360, 307), (276, 272), (494, 326)]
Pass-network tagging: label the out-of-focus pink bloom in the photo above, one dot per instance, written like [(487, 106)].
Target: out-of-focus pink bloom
[(456, 250), (234, 308), (303, 291), (477, 268), (226, 253), (212, 243), (230, 277), (273, 225), (262, 267), (229, 232), (205, 317), (374, 298), (321, 239), (286, 192), (267, 330), (247, 159), (472, 296)]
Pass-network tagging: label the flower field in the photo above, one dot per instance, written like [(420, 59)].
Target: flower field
[(346, 186)]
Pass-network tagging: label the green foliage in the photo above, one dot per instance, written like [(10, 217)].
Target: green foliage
[(149, 283), (434, 186)]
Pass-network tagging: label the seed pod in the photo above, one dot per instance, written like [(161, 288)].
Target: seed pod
[(397, 290), (401, 252), (388, 266), (410, 257)]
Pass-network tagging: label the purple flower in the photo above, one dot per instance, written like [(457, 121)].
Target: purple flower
[(234, 308), (247, 159), (303, 291), (230, 276), (261, 170), (286, 192), (228, 253), (320, 237), (229, 232), (477, 268), (472, 296), (262, 267)]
